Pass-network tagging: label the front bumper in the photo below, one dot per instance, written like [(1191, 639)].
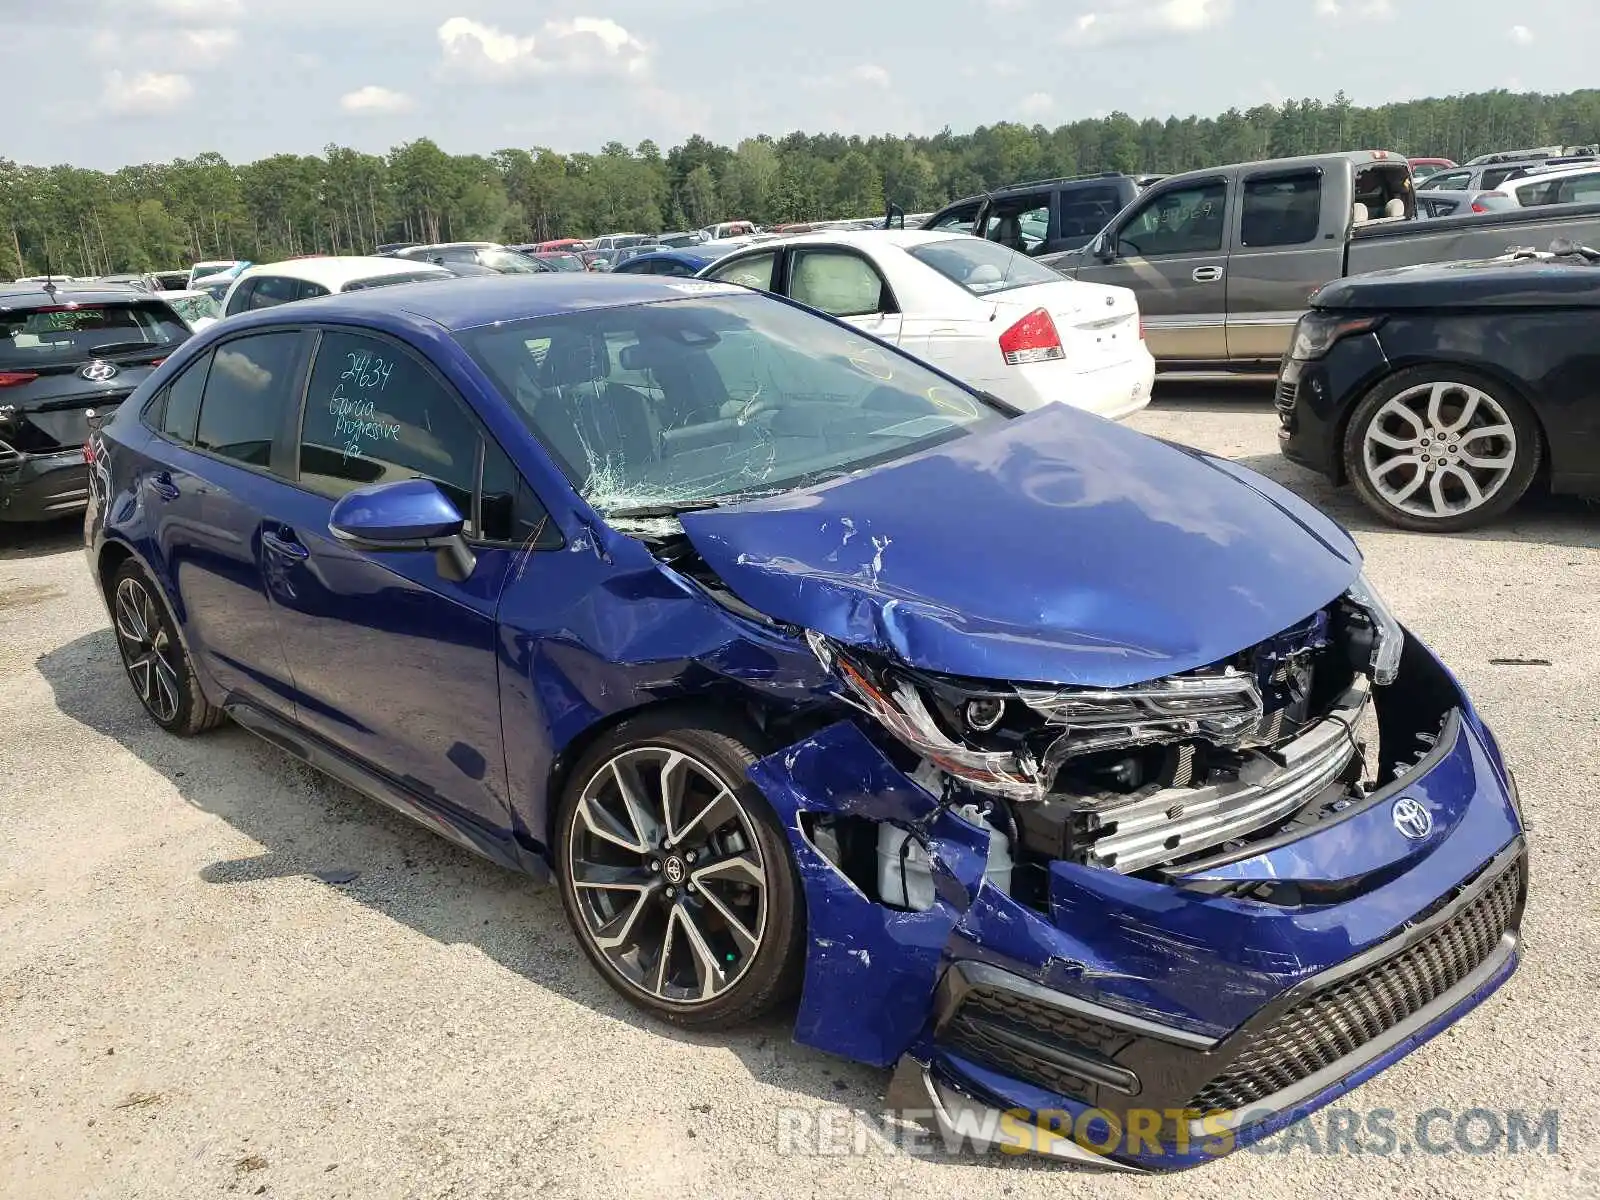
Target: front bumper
[(43, 487), (1314, 398), (1159, 1024)]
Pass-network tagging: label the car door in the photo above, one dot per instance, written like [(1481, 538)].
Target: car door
[(393, 663), (959, 218), (1283, 238), (1172, 250), (221, 422), (844, 283)]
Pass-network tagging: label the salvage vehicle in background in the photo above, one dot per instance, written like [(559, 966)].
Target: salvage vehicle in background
[(501, 259), (982, 312), (685, 262), (1453, 204), (1045, 216), (1027, 748), (68, 351), (1441, 393), (198, 309), (271, 284), (218, 267), (1223, 259), (1575, 184), (1424, 168)]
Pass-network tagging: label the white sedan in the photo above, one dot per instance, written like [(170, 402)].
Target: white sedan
[(975, 309), (271, 284)]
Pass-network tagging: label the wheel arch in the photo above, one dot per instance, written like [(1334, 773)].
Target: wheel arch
[(1475, 366), (748, 713)]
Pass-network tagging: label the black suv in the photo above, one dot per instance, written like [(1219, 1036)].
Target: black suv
[(67, 351), (1045, 216)]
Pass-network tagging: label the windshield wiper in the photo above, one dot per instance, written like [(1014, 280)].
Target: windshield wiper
[(684, 506), (123, 347)]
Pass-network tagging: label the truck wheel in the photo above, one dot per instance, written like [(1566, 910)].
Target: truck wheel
[(676, 874), (1439, 449)]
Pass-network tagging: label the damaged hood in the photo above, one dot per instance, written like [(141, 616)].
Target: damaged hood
[(1054, 548)]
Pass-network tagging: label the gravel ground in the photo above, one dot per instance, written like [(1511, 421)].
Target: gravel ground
[(186, 1009)]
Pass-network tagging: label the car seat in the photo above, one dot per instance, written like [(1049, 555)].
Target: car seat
[(590, 422)]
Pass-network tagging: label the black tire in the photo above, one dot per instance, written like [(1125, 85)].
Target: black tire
[(1528, 451), (768, 976), (184, 711)]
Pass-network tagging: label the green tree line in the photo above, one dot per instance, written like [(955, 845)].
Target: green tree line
[(165, 215)]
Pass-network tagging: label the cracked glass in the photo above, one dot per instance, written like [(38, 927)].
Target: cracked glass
[(654, 409)]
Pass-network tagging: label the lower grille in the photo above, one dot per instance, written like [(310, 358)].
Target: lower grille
[(1286, 396), (1340, 1019), (1034, 1042)]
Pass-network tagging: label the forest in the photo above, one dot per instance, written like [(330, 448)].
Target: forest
[(162, 215)]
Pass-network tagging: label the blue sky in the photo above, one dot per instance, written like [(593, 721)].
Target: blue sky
[(120, 81)]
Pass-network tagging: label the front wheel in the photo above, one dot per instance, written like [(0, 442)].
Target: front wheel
[(676, 874), (1441, 449)]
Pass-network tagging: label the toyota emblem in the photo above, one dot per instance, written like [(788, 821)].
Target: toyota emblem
[(1412, 819), (99, 372)]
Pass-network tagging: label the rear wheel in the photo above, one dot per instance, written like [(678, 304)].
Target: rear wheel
[(677, 876), (1441, 449), (157, 664)]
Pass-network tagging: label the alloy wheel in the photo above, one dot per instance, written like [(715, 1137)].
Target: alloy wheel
[(146, 650), (668, 875), (1439, 450)]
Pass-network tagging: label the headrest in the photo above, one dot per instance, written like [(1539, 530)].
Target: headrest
[(1395, 208), (1359, 213), (572, 362)]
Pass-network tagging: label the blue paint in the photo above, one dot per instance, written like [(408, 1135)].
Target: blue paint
[(1054, 547)]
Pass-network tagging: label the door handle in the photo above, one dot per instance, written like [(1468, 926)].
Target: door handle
[(161, 484), (284, 544), (1206, 274)]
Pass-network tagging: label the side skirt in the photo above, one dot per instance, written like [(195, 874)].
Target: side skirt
[(314, 752)]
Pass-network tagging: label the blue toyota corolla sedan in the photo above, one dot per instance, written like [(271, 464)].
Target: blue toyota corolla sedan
[(1082, 778)]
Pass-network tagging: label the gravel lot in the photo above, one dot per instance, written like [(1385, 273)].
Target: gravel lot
[(186, 1009)]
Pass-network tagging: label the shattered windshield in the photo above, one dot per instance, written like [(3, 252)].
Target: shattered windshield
[(657, 408)]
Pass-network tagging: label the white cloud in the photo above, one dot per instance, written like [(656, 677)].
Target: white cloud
[(1037, 104), (146, 94), (1358, 10), (870, 73), (186, 49), (203, 10), (374, 101), (583, 45), (1522, 35), (1140, 20)]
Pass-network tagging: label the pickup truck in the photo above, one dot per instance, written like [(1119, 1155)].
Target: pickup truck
[(1224, 260)]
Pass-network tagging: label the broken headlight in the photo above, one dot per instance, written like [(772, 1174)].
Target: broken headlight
[(1381, 643), (1009, 741)]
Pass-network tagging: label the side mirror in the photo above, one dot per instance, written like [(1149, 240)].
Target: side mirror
[(412, 514), (1104, 247)]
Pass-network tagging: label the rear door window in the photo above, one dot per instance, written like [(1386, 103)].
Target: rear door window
[(1450, 181), (1283, 210), (248, 393), (839, 283), (271, 290)]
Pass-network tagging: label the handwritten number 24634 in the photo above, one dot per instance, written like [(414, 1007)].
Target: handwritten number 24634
[(367, 370)]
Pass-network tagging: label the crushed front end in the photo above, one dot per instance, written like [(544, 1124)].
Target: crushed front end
[(1150, 924)]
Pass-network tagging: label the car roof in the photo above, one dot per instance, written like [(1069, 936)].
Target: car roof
[(473, 301), (33, 295), (1562, 172), (903, 239), (336, 271)]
